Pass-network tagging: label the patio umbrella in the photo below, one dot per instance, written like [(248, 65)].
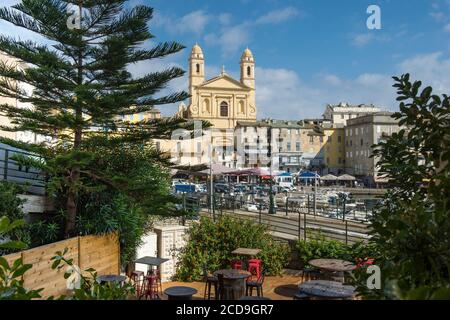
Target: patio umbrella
[(329, 177), (346, 177), (218, 169)]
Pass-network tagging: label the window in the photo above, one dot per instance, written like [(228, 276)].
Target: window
[(321, 139), (297, 146), (241, 107), (197, 68), (224, 109), (342, 116), (356, 131), (362, 142), (339, 139), (330, 139), (288, 146), (311, 139), (351, 143), (340, 160), (249, 71)]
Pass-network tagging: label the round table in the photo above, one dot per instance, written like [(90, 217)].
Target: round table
[(236, 279), (254, 298), (180, 293), (327, 289), (333, 265)]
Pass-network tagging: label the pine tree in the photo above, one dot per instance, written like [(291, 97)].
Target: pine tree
[(81, 84)]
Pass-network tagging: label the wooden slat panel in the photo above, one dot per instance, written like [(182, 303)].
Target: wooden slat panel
[(98, 252)]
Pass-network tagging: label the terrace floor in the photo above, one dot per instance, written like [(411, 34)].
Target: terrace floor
[(276, 288)]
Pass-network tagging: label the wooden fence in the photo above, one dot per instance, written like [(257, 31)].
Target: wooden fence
[(99, 252)]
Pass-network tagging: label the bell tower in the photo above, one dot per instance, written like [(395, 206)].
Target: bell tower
[(248, 78), (196, 69)]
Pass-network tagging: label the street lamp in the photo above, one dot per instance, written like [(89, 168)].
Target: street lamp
[(269, 153)]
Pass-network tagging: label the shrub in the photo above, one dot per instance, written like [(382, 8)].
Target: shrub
[(11, 207), (322, 248), (210, 245)]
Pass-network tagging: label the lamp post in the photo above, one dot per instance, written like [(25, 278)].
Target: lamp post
[(269, 153)]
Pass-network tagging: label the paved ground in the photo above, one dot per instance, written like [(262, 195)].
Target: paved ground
[(277, 288)]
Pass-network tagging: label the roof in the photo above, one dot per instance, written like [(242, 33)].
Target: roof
[(226, 77)]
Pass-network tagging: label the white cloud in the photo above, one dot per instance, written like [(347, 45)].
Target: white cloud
[(447, 28), (194, 22), (362, 39), (432, 69), (278, 16), (281, 92), (230, 39)]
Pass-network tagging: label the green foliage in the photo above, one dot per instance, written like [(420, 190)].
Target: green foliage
[(11, 282), (87, 286), (412, 227), (211, 243), (107, 213), (11, 207), (322, 248)]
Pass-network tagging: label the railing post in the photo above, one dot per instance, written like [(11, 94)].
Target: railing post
[(287, 201), (213, 205), (308, 203), (304, 226), (5, 168), (346, 232), (299, 225)]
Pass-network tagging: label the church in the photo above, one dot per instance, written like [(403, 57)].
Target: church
[(223, 101)]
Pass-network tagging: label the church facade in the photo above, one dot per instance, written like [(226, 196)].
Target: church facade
[(223, 101)]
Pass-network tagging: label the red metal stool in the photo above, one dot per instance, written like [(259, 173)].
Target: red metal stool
[(254, 267), (151, 287), (138, 279), (236, 265)]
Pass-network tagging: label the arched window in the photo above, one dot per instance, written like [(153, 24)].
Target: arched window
[(197, 68), (249, 71), (224, 109)]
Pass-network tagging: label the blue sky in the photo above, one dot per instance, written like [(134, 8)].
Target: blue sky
[(308, 52)]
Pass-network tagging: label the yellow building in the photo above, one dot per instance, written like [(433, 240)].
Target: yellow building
[(335, 149)]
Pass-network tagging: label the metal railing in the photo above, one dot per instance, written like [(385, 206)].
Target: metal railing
[(290, 222), (12, 171)]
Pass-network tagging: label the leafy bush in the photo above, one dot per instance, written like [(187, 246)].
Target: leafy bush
[(210, 245), (412, 227), (322, 248), (11, 207), (11, 282), (116, 214)]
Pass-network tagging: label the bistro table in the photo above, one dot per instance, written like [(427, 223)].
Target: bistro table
[(334, 269), (327, 289), (111, 278), (251, 253), (180, 293), (151, 261), (236, 279)]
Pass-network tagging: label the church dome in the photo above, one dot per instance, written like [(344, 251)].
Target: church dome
[(247, 55)]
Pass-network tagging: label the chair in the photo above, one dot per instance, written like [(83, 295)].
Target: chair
[(255, 283), (225, 291), (254, 267), (138, 280), (151, 288), (210, 281), (236, 264)]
